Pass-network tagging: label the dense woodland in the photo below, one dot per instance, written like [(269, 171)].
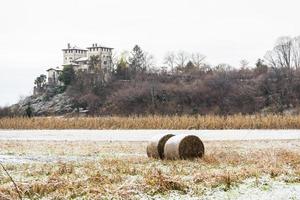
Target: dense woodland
[(187, 84)]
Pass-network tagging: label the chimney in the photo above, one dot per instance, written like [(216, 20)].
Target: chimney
[(69, 46)]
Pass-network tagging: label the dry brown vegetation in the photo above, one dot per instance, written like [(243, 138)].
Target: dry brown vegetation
[(121, 170), (156, 122)]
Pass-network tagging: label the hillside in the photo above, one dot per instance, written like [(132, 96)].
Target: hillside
[(133, 85), (221, 92)]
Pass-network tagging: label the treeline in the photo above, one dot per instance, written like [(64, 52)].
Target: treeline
[(186, 84)]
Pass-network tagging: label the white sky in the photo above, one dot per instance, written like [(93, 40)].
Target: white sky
[(33, 32)]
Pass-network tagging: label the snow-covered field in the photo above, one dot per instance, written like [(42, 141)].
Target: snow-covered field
[(261, 164), (263, 188), (145, 135)]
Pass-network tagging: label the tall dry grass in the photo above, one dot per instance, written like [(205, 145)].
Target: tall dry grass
[(155, 122)]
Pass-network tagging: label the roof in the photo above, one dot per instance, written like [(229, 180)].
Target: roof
[(72, 64), (81, 59), (55, 69), (100, 47), (75, 48), (50, 69)]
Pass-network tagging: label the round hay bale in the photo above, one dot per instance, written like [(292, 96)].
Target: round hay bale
[(184, 147), (155, 148)]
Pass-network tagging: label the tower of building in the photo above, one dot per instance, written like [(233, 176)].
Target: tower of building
[(105, 54), (71, 54)]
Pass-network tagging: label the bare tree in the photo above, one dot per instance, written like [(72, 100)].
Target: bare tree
[(198, 59), (270, 57), (223, 67), (114, 60), (296, 52), (244, 63), (169, 60), (182, 58), (282, 53), (149, 61), (284, 58)]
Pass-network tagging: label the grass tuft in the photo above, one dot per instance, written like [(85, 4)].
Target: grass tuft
[(157, 182)]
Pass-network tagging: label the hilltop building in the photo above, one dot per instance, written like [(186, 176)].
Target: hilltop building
[(53, 75), (79, 59)]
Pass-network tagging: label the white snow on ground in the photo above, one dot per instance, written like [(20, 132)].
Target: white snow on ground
[(22, 159), (264, 189), (144, 135)]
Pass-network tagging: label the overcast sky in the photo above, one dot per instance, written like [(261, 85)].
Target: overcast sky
[(33, 32)]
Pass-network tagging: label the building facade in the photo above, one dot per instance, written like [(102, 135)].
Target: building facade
[(70, 54), (53, 75), (79, 59)]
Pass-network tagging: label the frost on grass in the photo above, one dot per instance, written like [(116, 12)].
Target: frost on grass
[(263, 188), (97, 170)]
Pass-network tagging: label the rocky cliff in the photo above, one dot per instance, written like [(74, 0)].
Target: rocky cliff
[(58, 104)]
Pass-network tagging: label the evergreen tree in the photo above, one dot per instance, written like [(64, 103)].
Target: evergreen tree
[(137, 61), (95, 63), (67, 76), (40, 81), (189, 67), (29, 111), (261, 67)]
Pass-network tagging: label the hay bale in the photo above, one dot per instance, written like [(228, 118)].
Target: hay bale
[(184, 147), (155, 148)]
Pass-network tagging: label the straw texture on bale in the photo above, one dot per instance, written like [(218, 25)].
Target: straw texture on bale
[(183, 147), (155, 148)]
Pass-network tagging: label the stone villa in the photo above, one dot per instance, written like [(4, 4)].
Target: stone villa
[(79, 58)]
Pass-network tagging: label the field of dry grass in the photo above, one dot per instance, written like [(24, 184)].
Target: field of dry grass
[(121, 170), (155, 122)]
